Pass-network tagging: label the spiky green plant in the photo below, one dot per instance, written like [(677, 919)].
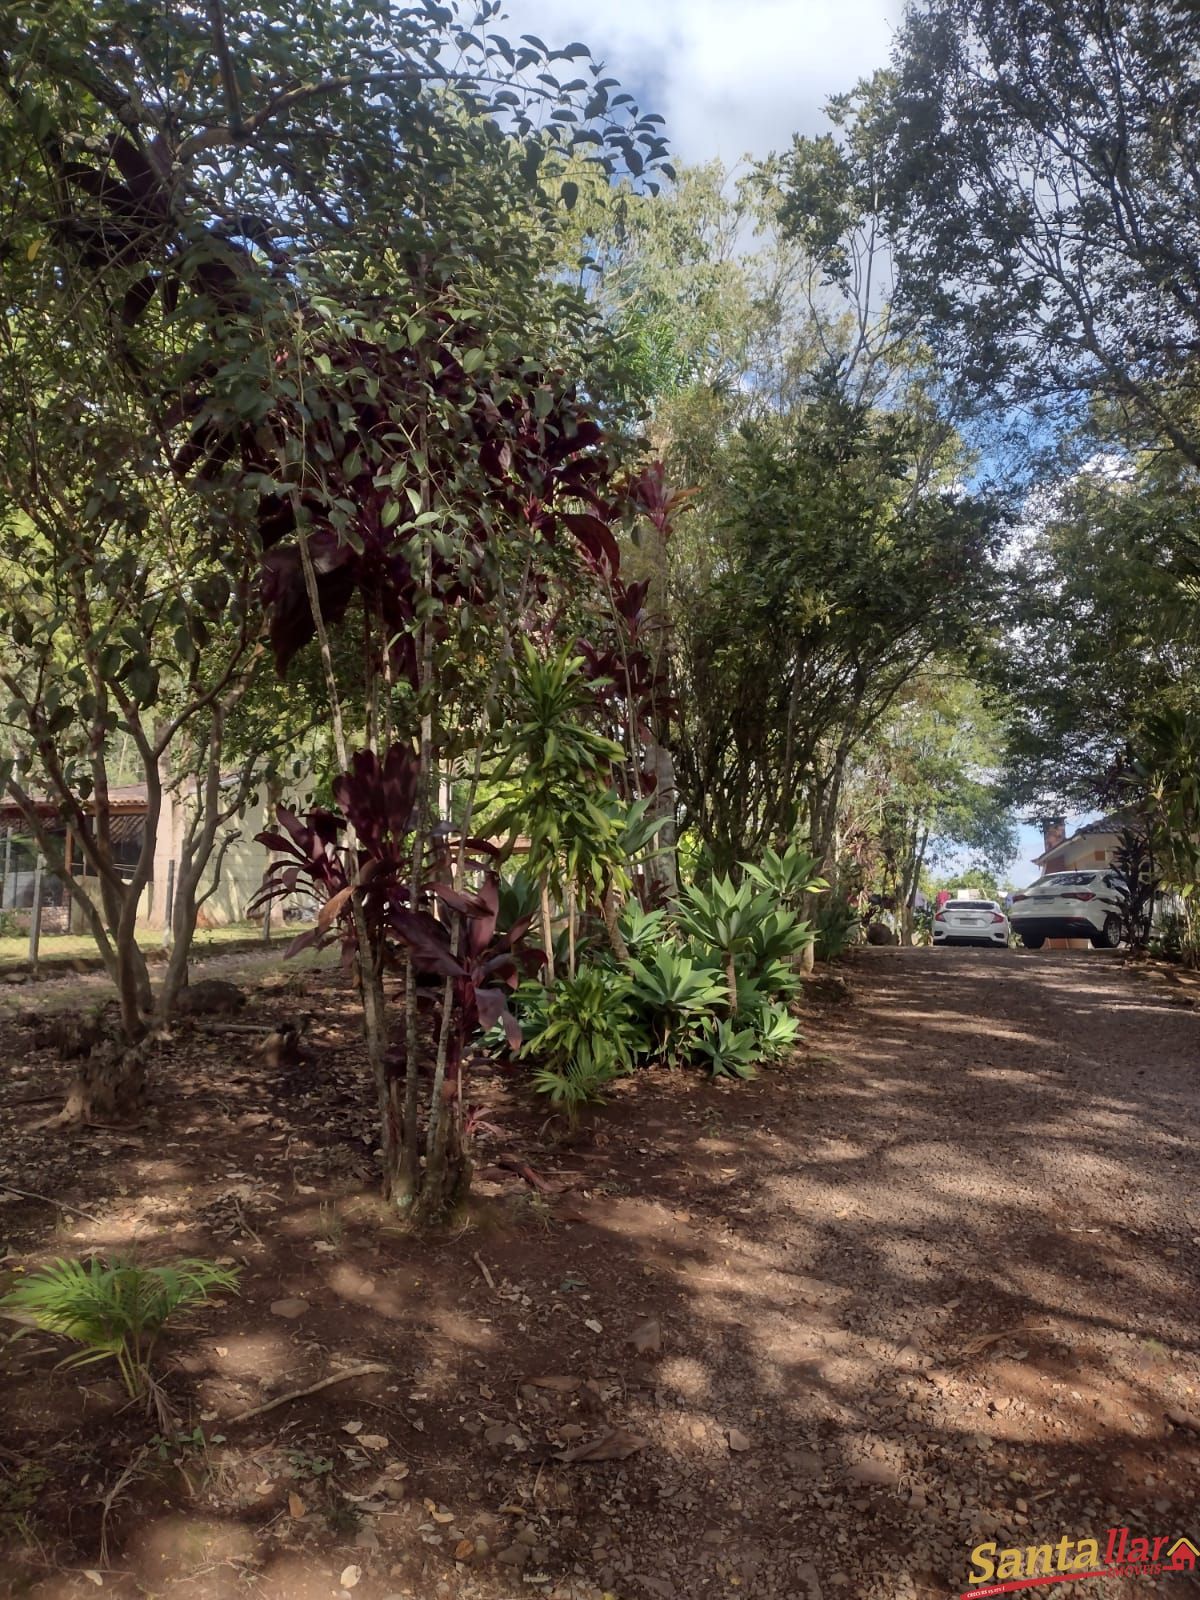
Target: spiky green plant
[(788, 876), (778, 1031), (115, 1309), (727, 1050)]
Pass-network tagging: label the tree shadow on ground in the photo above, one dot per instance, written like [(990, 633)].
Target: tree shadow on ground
[(933, 1284)]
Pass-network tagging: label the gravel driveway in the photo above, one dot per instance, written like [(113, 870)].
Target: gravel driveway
[(932, 1286), (990, 1199)]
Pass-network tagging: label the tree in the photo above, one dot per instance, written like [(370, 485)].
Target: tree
[(1033, 169), (130, 621), (838, 571), (344, 228), (1105, 629), (1160, 778), (930, 776)]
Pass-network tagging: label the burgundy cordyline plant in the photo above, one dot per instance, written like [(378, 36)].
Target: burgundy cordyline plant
[(398, 885)]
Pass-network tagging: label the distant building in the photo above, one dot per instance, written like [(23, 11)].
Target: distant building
[(1094, 845), (241, 871)]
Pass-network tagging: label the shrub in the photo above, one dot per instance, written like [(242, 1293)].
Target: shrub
[(777, 1030), (581, 1035), (836, 925), (116, 1310), (723, 918), (569, 1089), (770, 957), (787, 877), (587, 1017), (642, 930)]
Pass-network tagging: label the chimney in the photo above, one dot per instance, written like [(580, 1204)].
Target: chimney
[(1054, 832)]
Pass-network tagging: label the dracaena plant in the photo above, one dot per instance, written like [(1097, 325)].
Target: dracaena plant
[(365, 845), (481, 965)]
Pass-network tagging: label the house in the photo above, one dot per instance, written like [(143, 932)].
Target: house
[(1184, 1556), (1093, 845), (241, 869)]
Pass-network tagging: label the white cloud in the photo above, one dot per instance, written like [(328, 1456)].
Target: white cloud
[(730, 76)]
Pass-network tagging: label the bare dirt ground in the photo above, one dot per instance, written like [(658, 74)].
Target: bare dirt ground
[(935, 1283)]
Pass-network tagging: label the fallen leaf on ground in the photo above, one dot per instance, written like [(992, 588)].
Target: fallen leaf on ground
[(464, 1549), (350, 1577), (738, 1440), (506, 1433), (351, 1427), (292, 1307), (373, 1441), (296, 1506), (562, 1385), (94, 1577), (596, 1327), (615, 1445), (646, 1338)]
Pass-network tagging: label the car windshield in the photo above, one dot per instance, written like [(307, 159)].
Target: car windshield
[(1066, 880), (970, 905)]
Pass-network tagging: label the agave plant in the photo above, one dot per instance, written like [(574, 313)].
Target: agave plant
[(116, 1310), (673, 992), (773, 945), (725, 918), (728, 1051), (777, 1030), (788, 875), (641, 930)]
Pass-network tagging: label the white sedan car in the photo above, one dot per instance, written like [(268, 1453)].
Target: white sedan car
[(970, 922), (1072, 905)]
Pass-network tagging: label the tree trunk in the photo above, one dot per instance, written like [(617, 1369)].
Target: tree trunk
[(547, 933), (447, 1177), (110, 1085), (609, 911), (662, 869), (808, 955)]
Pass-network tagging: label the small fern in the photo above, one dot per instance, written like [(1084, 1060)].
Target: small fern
[(115, 1309)]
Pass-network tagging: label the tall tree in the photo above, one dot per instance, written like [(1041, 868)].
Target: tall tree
[(928, 782), (339, 221), (1034, 169), (1105, 631), (837, 572)]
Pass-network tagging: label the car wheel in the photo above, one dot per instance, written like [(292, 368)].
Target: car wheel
[(1032, 941), (1109, 937)]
